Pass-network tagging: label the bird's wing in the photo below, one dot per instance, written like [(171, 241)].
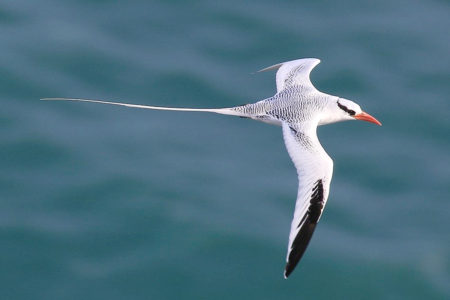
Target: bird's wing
[(314, 169), (294, 72)]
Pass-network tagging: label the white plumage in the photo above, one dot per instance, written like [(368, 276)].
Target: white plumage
[(299, 108)]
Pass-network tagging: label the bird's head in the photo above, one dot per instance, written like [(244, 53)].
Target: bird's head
[(343, 110)]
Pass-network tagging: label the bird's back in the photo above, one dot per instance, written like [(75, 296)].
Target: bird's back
[(292, 105)]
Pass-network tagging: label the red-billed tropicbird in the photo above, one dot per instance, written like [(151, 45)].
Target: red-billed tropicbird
[(298, 107)]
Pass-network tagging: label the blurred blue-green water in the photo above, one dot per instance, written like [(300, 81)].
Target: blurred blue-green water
[(100, 202)]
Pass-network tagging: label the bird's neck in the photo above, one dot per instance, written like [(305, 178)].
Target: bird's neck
[(331, 112)]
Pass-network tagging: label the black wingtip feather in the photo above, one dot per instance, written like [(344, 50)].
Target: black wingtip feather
[(307, 224), (299, 246)]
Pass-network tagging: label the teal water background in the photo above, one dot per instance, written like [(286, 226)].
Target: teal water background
[(102, 202)]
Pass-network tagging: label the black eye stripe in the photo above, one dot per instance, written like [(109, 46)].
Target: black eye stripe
[(344, 108)]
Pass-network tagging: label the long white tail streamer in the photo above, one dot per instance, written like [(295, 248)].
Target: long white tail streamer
[(223, 111)]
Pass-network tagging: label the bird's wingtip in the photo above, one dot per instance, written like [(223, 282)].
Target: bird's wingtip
[(273, 67), (287, 271), (316, 61)]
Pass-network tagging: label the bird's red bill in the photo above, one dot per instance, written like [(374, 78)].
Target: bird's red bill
[(363, 116)]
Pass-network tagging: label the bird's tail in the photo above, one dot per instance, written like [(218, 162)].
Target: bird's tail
[(223, 111)]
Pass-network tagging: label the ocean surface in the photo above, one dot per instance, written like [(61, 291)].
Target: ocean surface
[(106, 202)]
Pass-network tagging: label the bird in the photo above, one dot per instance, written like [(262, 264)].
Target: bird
[(299, 108)]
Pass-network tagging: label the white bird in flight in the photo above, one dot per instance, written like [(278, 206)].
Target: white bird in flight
[(298, 107)]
